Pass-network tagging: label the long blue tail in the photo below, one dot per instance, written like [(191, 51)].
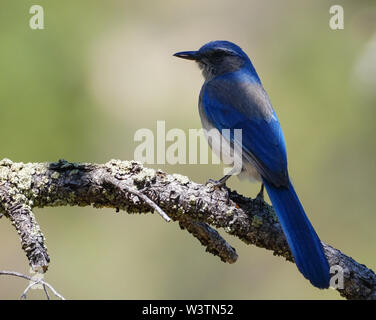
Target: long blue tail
[(303, 241)]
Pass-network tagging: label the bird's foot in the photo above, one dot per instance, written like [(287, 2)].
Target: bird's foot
[(217, 183), (260, 195)]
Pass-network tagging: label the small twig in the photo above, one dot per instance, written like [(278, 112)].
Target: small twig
[(53, 290), (46, 291), (211, 239), (151, 204), (23, 295), (34, 282), (123, 186)]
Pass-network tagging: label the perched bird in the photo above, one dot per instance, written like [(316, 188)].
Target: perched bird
[(232, 97)]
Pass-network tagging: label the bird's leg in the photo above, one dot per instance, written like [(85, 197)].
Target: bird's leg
[(222, 182), (260, 195)]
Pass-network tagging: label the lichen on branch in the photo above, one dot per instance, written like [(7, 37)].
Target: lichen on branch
[(129, 186)]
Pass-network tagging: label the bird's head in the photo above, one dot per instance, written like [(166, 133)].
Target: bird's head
[(217, 58)]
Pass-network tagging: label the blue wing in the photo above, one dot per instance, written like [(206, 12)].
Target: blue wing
[(238, 101), (233, 102)]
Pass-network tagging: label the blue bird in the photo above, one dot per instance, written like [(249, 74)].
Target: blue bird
[(232, 97)]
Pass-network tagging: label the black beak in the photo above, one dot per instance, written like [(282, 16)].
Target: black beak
[(189, 55)]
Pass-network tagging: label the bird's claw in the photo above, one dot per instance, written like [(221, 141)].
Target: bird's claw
[(216, 183), (260, 195)]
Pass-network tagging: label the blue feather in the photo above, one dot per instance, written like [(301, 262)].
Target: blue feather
[(233, 97), (228, 105), (303, 241)]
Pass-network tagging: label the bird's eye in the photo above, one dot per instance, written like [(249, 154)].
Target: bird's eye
[(218, 55)]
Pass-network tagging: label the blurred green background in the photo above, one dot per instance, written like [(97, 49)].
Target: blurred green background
[(100, 70)]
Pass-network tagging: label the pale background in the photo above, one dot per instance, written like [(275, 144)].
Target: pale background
[(100, 70)]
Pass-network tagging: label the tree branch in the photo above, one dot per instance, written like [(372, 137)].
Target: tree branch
[(127, 185), (33, 282)]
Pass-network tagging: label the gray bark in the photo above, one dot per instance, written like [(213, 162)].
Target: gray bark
[(129, 186)]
